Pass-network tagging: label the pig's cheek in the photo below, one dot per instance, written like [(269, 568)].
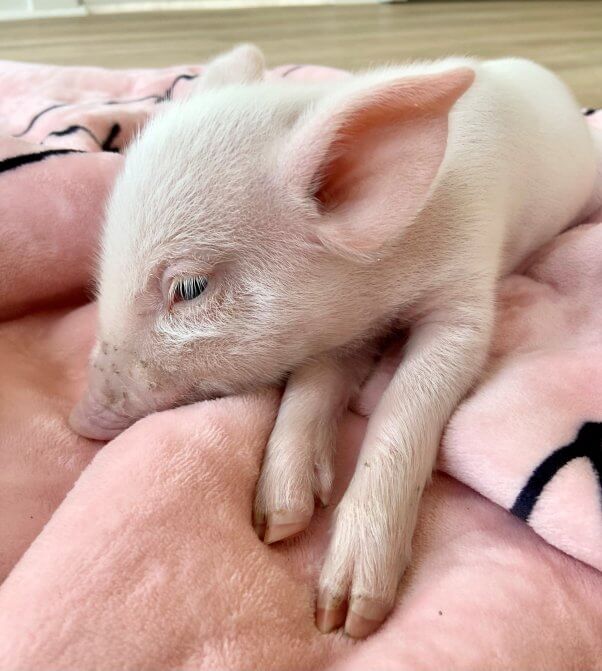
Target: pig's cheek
[(152, 385), (115, 392), (140, 372)]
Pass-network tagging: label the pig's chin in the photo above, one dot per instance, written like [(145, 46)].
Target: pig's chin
[(92, 420)]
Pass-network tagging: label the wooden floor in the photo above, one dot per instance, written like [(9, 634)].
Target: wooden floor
[(564, 35)]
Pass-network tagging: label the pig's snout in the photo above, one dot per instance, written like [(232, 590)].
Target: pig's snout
[(92, 419), (116, 396)]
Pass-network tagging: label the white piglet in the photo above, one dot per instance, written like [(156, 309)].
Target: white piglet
[(264, 231)]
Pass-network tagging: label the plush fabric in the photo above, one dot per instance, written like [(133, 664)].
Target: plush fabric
[(141, 555)]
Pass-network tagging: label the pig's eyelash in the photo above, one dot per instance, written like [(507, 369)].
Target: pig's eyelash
[(186, 288)]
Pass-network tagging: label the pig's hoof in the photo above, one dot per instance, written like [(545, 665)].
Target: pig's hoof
[(284, 525), (366, 557), (330, 613), (364, 617)]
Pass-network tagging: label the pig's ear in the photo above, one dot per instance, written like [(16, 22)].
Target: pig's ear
[(242, 65), (369, 157)]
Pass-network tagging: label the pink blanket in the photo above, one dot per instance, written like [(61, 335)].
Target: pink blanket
[(141, 555)]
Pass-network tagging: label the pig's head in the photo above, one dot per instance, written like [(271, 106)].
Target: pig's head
[(253, 226)]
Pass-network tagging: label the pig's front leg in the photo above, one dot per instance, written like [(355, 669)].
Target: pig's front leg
[(298, 461), (371, 543)]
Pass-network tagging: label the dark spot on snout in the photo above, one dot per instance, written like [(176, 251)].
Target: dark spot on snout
[(114, 348), (114, 369), (104, 348), (124, 395), (143, 363)]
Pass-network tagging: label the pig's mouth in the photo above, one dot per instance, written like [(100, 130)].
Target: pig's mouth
[(91, 419), (100, 419)]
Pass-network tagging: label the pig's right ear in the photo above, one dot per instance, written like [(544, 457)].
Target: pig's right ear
[(242, 65), (366, 159)]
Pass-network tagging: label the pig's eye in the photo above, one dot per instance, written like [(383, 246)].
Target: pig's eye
[(187, 288)]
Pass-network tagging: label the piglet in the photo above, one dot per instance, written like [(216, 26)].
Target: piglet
[(264, 232)]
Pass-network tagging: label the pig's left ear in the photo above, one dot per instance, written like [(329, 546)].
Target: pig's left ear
[(242, 65), (369, 157)]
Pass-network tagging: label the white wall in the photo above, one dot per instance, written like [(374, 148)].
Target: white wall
[(11, 9), (18, 9)]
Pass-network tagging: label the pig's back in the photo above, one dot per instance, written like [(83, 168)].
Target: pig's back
[(537, 148)]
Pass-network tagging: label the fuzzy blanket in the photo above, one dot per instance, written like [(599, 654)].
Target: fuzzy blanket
[(141, 554)]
